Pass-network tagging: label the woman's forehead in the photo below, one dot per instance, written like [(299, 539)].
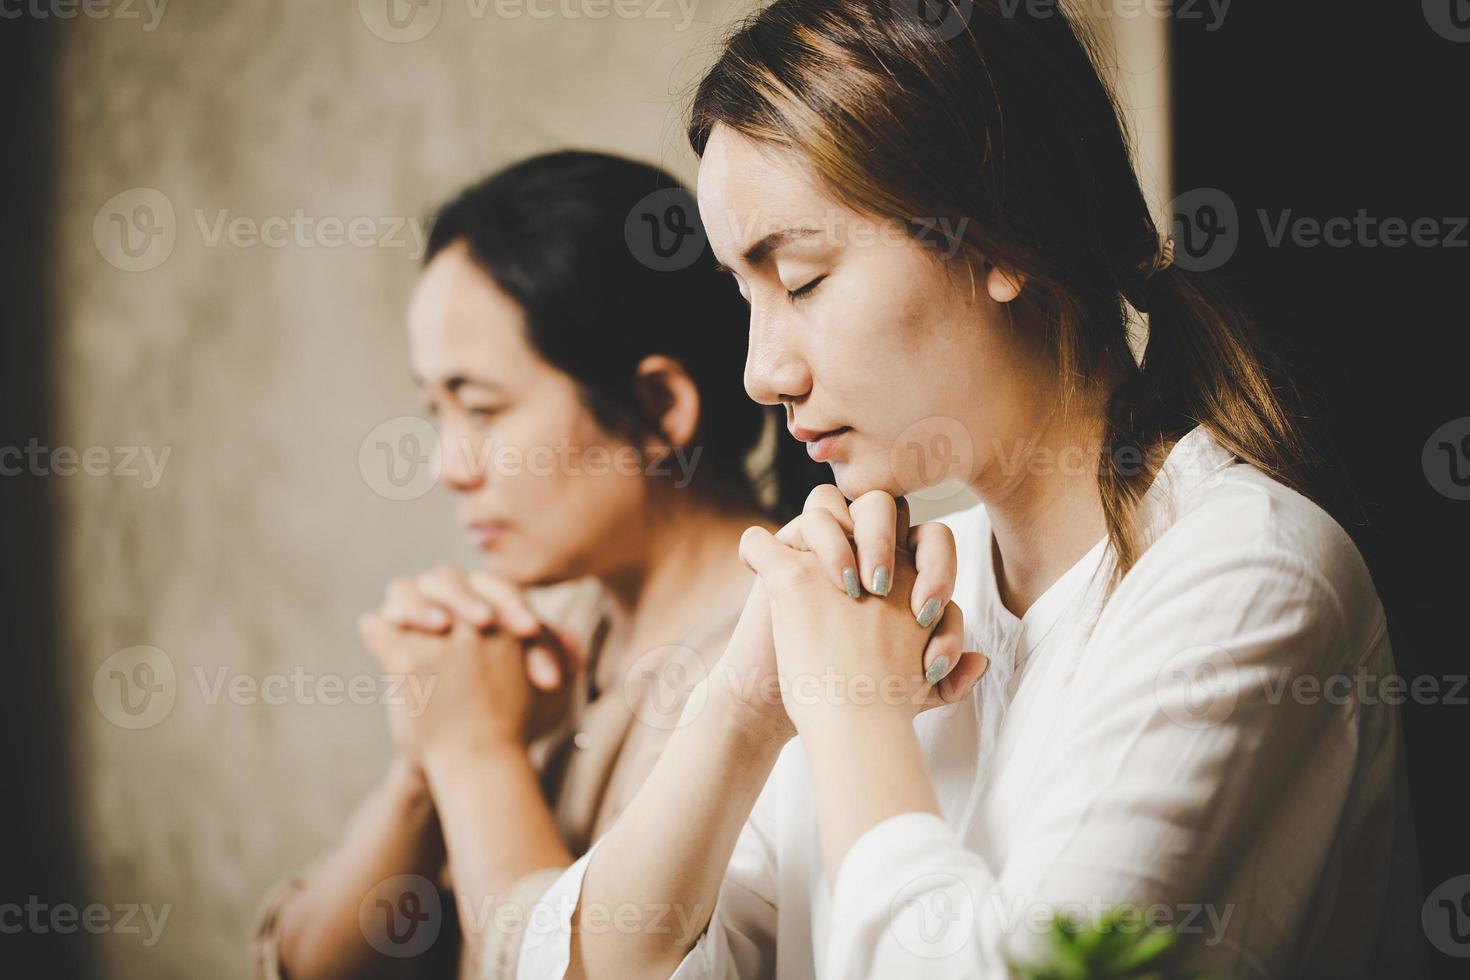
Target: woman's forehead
[(748, 190), (460, 323)]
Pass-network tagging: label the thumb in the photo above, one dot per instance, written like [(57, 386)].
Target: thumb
[(378, 635), (542, 669), (963, 678), (553, 658), (760, 550)]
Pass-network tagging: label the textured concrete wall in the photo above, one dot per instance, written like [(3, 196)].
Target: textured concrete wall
[(223, 349)]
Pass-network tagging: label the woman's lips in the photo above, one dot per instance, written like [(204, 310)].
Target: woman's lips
[(487, 536), (820, 446)]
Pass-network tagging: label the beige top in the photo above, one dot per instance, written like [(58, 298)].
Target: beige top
[(590, 766)]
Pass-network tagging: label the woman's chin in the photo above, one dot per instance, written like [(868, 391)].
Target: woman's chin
[(512, 568), (529, 574), (854, 480)]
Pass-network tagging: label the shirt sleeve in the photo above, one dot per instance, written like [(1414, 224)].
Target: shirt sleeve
[(1176, 748), (500, 943), (265, 933), (739, 942), (265, 938)]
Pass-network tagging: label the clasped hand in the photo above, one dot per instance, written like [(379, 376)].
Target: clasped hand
[(859, 613), (491, 675)]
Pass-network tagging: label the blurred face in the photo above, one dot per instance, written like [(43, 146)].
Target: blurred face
[(543, 489), (894, 365)]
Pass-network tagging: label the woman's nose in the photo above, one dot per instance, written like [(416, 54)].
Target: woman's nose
[(459, 465), (774, 371)]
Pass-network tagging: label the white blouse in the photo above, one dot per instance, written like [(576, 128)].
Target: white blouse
[(1217, 748)]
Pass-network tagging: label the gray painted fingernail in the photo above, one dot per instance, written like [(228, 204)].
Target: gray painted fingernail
[(937, 669), (850, 582), (880, 580), (929, 613)]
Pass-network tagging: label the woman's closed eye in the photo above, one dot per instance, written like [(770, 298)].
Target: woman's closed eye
[(483, 412), (801, 292)]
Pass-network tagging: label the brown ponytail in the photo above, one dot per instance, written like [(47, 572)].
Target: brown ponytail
[(995, 120), (1202, 365)]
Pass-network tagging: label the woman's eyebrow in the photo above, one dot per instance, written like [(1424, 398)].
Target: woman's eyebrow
[(458, 381), (768, 244)]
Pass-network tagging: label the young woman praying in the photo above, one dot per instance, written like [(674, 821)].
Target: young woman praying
[(1135, 740), (552, 355)]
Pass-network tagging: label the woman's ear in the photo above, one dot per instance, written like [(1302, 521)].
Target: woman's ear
[(669, 397), (1003, 285)]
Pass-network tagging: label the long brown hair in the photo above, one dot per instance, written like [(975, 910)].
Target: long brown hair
[(998, 123)]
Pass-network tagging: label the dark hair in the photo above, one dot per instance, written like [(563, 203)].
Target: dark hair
[(998, 122), (558, 233)]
